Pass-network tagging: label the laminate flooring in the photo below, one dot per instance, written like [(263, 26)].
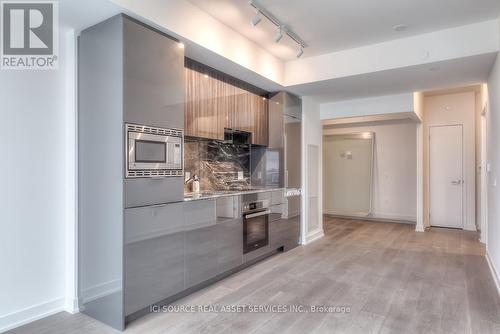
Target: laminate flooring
[(375, 277)]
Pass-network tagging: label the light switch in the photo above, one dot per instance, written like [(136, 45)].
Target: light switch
[(488, 167)]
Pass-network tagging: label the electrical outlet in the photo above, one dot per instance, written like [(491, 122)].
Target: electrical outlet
[(240, 175), (259, 175)]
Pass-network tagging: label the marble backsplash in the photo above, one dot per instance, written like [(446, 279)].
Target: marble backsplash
[(218, 164)]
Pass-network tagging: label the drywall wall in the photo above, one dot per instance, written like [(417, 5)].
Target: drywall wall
[(379, 105), (493, 143), (34, 197), (452, 109), (394, 172), (312, 218), (347, 174)]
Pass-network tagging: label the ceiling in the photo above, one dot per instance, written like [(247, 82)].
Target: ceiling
[(332, 25), (451, 73)]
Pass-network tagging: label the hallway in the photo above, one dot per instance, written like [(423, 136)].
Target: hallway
[(393, 279)]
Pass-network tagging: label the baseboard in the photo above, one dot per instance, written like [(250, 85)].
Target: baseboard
[(71, 305), (27, 315), (101, 290), (375, 219), (494, 271), (394, 217), (313, 236)]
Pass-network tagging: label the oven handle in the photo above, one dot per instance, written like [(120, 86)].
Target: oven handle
[(257, 214)]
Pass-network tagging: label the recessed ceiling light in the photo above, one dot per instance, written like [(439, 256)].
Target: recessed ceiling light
[(205, 75), (180, 45), (400, 27)]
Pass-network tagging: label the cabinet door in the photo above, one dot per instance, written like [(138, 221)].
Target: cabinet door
[(229, 233), (201, 241), (241, 117), (153, 77), (203, 117), (260, 129), (154, 255)]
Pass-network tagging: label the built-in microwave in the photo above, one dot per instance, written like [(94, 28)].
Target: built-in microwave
[(152, 151)]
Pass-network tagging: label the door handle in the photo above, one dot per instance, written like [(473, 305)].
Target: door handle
[(456, 182)]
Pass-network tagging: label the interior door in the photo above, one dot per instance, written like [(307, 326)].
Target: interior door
[(446, 176)]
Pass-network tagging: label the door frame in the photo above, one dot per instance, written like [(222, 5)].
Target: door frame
[(464, 174), (484, 175)]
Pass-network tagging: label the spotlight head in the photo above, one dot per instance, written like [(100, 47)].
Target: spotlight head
[(257, 18), (279, 35), (301, 51)]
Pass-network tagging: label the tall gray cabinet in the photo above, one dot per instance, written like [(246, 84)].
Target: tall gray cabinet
[(130, 230)]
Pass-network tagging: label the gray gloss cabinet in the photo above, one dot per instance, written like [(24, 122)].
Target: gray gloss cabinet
[(200, 241), (153, 69), (154, 254), (127, 72), (229, 233)]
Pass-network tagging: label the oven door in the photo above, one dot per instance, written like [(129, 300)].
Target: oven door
[(153, 152), (255, 230)]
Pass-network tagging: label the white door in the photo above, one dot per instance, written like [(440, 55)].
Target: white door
[(446, 176)]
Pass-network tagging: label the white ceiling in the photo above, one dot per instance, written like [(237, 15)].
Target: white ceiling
[(332, 25), (78, 14), (447, 74)]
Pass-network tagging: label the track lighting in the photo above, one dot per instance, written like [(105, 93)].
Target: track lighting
[(261, 13), (279, 35), (301, 51), (256, 19)]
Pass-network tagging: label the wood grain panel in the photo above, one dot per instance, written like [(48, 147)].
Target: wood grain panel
[(215, 101)]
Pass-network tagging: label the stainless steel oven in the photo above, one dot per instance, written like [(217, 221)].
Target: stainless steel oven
[(152, 151), (255, 225)]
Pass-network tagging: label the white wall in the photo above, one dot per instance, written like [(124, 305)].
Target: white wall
[(455, 108), (394, 173), (493, 244), (368, 106), (312, 218), (33, 213)]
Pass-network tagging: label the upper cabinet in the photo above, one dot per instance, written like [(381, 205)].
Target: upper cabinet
[(153, 78), (215, 101)]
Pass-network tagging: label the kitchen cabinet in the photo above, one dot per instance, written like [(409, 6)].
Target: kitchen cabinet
[(127, 73), (207, 105), (215, 101), (154, 254), (200, 242), (229, 233)]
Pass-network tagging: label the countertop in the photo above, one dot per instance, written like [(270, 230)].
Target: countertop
[(224, 193)]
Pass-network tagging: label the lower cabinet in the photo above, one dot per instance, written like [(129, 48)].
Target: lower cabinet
[(284, 233), (200, 242), (229, 234), (153, 255), (173, 247)]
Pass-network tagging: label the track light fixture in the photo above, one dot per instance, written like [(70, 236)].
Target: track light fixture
[(257, 18), (282, 30), (279, 35)]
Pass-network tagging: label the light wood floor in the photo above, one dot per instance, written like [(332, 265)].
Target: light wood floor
[(393, 279)]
